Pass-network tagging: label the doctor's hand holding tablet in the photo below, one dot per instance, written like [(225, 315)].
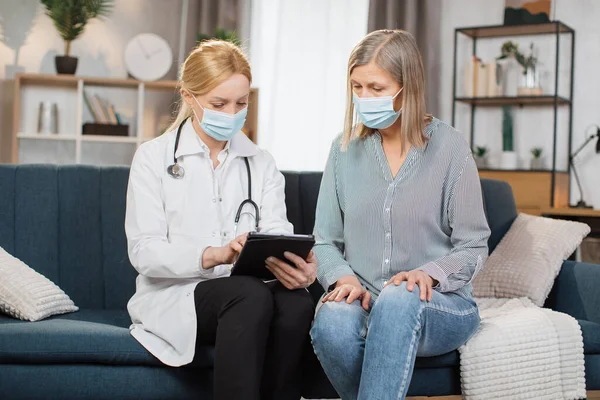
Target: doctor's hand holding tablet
[(279, 253)]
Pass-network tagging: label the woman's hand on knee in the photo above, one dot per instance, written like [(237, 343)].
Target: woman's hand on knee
[(412, 278), (349, 288)]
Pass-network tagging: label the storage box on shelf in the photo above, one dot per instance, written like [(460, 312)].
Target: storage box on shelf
[(534, 190), (143, 101)]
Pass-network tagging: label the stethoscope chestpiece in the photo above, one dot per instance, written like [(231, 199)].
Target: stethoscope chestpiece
[(176, 171)]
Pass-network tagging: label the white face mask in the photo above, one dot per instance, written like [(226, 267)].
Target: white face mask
[(376, 112), (219, 125)]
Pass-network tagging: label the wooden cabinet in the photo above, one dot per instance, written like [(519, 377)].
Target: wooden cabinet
[(533, 190)]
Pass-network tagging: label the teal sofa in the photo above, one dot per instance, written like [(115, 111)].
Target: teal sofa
[(67, 223)]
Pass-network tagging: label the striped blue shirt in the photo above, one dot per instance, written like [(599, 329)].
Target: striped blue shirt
[(429, 217)]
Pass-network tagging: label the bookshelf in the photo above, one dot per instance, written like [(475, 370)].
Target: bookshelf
[(144, 105), (534, 190)]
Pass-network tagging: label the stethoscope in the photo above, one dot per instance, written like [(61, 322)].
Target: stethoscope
[(177, 171)]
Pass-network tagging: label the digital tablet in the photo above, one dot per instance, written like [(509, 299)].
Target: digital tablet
[(260, 246)]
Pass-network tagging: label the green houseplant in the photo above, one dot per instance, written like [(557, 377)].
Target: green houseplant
[(70, 18), (530, 80), (221, 34), (480, 155), (537, 162), (509, 157), (510, 48)]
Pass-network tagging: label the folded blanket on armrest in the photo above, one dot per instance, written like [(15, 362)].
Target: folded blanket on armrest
[(522, 351)]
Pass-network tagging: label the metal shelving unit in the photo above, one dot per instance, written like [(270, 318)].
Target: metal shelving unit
[(555, 28)]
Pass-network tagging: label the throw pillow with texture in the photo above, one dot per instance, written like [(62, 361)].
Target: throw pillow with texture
[(529, 258), (28, 295)]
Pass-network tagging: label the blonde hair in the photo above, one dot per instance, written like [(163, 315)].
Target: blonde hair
[(206, 67), (396, 52)]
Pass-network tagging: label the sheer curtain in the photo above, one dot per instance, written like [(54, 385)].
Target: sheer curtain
[(299, 52)]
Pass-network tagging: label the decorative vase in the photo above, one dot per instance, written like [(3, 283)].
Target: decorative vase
[(481, 162), (537, 163), (66, 64), (530, 82), (509, 160), (510, 75)]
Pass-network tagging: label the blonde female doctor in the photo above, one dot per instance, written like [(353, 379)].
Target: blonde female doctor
[(184, 231)]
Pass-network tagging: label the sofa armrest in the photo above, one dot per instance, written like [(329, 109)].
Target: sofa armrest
[(576, 291)]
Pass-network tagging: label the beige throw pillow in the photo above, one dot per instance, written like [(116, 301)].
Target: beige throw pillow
[(529, 258), (26, 294)]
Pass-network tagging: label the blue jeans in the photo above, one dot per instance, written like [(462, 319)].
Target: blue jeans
[(371, 354)]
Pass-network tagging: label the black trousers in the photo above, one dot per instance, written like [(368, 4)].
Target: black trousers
[(259, 331)]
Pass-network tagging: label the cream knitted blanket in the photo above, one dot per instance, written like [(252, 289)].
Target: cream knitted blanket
[(522, 351)]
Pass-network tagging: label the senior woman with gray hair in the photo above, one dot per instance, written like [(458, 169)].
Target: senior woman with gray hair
[(400, 229)]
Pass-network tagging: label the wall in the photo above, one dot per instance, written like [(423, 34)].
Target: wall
[(99, 49), (533, 126)]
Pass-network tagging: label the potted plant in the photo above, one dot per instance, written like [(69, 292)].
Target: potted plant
[(480, 155), (70, 18), (537, 162), (222, 34), (508, 158), (530, 79)]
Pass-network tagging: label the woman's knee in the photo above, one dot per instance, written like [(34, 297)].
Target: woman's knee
[(338, 325), (397, 300)]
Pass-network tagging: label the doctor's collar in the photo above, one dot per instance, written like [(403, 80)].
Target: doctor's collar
[(190, 143)]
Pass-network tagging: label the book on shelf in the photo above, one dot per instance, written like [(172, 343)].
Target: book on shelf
[(112, 117), (481, 79), (102, 111), (91, 105)]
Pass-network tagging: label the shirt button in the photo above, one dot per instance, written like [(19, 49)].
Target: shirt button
[(387, 209), (387, 260), (214, 200), (220, 199), (387, 235)]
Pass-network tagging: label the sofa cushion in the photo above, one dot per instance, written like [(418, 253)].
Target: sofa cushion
[(591, 336), (310, 184), (451, 359), (529, 258), (87, 336), (28, 295), (292, 200), (500, 209)]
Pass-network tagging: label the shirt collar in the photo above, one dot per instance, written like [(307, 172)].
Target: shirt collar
[(429, 129), (190, 143)]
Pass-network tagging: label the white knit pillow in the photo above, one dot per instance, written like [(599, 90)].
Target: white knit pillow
[(529, 258), (28, 295)]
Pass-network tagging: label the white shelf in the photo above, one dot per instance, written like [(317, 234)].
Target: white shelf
[(52, 136), (108, 139)]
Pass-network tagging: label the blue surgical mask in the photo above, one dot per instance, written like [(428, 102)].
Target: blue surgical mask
[(376, 112), (219, 125)]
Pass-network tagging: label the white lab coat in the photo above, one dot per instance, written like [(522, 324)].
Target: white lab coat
[(169, 222)]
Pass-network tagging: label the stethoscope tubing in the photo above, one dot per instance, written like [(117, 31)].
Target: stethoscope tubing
[(176, 171)]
